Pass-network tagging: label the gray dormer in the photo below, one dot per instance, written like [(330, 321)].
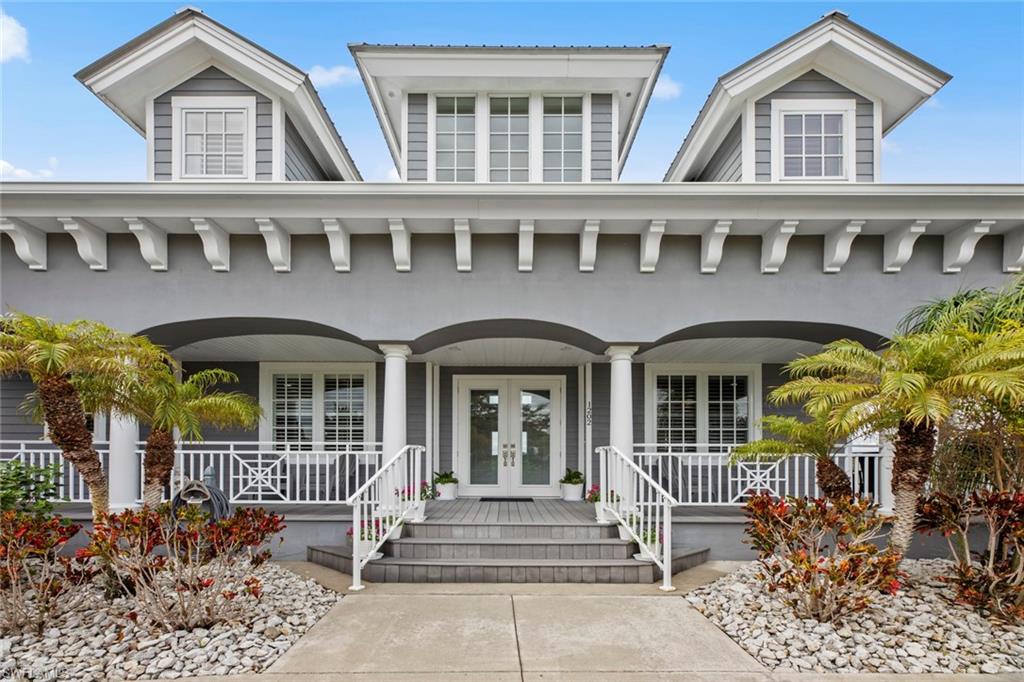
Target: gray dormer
[(814, 108), (214, 106)]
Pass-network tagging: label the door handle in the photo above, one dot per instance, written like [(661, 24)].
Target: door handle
[(504, 454), (512, 453)]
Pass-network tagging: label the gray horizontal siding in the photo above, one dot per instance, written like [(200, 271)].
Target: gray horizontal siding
[(416, 145), (248, 383), (299, 162), (570, 418), (14, 423), (215, 83), (813, 85), (601, 138), (600, 396), (726, 164)]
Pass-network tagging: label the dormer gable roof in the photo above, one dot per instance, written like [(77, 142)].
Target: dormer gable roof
[(189, 42), (834, 46), (389, 70)]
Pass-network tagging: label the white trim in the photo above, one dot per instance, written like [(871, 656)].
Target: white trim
[(702, 371), (587, 412), (431, 138), (581, 446), (428, 418), (403, 166), (213, 103), (847, 107), (151, 141), (876, 137), (587, 142), (616, 166), (536, 137), (277, 142), (318, 370), (482, 137), (748, 145)]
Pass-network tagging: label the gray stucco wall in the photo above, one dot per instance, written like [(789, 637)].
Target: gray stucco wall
[(616, 303), (299, 162), (601, 137), (211, 82), (570, 418), (726, 164), (14, 423), (416, 130), (813, 85)]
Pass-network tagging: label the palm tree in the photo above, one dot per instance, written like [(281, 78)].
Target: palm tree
[(911, 388), (979, 310), (167, 404), (794, 437), (60, 359)]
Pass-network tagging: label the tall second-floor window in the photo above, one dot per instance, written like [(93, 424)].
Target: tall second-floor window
[(563, 139), (455, 143), (510, 139)]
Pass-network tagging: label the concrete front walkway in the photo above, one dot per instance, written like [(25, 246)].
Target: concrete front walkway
[(522, 632)]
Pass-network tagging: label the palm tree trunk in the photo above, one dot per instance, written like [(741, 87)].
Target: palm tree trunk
[(159, 463), (913, 451), (832, 480), (65, 421)]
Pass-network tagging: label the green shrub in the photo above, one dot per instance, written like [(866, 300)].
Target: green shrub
[(27, 488), (572, 477)]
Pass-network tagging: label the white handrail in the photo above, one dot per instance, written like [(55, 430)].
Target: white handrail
[(640, 505), (393, 495)]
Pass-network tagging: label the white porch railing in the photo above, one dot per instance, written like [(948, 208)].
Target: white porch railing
[(383, 503), (70, 485), (700, 474), (636, 502), (268, 473)]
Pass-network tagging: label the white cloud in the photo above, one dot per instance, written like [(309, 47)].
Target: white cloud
[(13, 39), (666, 88), (328, 76), (8, 171)]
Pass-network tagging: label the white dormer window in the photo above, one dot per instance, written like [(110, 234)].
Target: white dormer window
[(813, 140), (214, 138), (456, 143), (563, 139)]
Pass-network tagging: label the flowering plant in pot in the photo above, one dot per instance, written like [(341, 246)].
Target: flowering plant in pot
[(446, 485), (632, 521), (572, 486)]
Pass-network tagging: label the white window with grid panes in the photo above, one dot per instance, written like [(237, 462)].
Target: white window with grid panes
[(455, 139), (563, 139), (813, 140), (317, 406), (510, 139), (213, 138), (710, 407)]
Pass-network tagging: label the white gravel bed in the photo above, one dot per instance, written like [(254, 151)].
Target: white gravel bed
[(918, 630), (93, 644)]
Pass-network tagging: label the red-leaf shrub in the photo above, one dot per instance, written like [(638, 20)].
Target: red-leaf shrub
[(36, 583), (186, 571), (820, 554), (990, 579)]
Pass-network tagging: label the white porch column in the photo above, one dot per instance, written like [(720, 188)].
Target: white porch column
[(123, 464), (394, 398), (620, 414)]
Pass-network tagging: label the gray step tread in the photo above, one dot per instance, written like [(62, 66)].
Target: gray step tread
[(558, 524), (511, 541), (409, 561)]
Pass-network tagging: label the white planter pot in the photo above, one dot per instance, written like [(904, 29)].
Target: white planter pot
[(397, 533), (572, 493), (364, 548), (645, 556), (447, 491), (624, 533)]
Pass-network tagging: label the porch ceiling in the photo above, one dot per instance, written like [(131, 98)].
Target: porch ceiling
[(275, 348), (509, 353), (747, 350)]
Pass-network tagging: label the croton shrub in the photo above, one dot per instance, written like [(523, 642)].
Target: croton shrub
[(184, 570), (821, 555), (990, 578), (37, 582)]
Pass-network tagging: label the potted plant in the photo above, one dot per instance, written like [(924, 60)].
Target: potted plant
[(631, 522), (395, 524), (446, 485), (369, 534), (572, 486), (650, 546)]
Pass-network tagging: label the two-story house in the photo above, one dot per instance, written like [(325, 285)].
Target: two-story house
[(509, 305)]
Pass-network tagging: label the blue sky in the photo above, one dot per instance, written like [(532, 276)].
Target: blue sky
[(973, 131)]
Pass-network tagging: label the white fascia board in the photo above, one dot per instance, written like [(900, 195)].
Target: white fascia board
[(391, 136)]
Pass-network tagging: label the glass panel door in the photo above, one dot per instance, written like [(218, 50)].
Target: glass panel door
[(485, 442), (536, 454)]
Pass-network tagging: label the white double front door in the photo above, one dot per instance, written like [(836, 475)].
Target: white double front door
[(509, 435)]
